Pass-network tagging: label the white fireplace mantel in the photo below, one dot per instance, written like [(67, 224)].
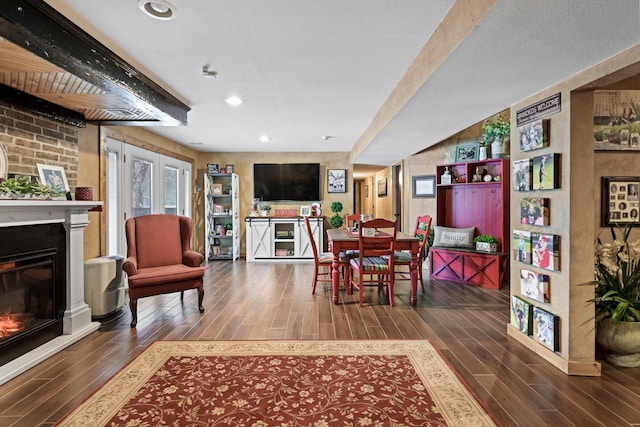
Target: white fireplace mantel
[(77, 324)]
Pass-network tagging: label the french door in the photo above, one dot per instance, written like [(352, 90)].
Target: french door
[(141, 182)]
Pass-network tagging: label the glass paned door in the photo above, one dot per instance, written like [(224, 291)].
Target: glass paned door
[(141, 187), (171, 188)]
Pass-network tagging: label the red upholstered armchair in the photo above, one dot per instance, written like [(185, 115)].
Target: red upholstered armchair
[(160, 259)]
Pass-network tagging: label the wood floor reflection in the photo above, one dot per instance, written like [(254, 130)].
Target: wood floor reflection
[(250, 301)]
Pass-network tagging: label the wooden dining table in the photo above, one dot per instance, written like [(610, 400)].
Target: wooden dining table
[(341, 240)]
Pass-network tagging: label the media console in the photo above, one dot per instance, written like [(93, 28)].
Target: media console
[(282, 239)]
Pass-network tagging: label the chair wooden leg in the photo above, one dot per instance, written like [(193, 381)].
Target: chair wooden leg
[(315, 278), (181, 296), (390, 279), (200, 298), (133, 305), (420, 277)]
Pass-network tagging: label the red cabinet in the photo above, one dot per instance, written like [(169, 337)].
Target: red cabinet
[(477, 197)]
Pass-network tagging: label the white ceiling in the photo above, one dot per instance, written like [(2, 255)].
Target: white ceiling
[(307, 69)]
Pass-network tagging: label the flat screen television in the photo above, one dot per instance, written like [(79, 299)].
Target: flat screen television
[(286, 181)]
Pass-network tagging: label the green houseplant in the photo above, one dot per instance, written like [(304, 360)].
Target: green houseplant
[(486, 243), (24, 187), (264, 210), (617, 297), (494, 131), (336, 220)]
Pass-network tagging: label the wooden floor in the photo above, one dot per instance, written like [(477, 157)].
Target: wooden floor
[(248, 301)]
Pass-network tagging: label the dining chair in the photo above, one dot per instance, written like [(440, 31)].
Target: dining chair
[(323, 261), (403, 258), (371, 267), (351, 221)]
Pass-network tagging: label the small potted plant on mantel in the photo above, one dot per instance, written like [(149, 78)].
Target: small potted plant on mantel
[(486, 243)]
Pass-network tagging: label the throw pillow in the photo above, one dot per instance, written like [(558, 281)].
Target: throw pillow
[(448, 237)]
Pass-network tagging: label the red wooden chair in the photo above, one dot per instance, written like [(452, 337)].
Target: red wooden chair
[(323, 261), (403, 258), (374, 264), (352, 221)]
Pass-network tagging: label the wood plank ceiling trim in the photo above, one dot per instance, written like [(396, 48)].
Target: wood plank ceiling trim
[(48, 57)]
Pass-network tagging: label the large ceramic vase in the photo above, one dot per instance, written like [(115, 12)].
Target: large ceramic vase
[(620, 344)]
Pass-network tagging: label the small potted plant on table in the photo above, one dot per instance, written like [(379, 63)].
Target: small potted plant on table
[(486, 243)]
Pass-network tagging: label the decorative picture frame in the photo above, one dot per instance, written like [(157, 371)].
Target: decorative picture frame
[(423, 186), (216, 188), (535, 211), (305, 210), (546, 172), (545, 251), (216, 250), (520, 316), (546, 328), (229, 168), (619, 201), (218, 209), (467, 152), (212, 169), (336, 180), (522, 174), (535, 285), (382, 187), (53, 176), (616, 126), (534, 135)]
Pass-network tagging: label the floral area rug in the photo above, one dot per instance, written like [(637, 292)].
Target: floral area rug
[(283, 383)]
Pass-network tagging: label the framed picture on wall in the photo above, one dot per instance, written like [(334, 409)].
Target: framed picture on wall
[(423, 186), (619, 201), (336, 180), (382, 187)]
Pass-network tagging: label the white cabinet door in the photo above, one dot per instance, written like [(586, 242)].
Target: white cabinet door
[(259, 239)]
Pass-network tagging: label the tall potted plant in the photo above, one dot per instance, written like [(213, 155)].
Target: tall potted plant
[(336, 220), (494, 131), (617, 298)]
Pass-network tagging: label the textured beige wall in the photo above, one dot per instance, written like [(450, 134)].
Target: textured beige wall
[(90, 174), (575, 206)]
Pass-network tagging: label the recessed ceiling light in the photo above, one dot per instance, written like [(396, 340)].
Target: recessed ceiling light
[(233, 100), (159, 9), (264, 138)]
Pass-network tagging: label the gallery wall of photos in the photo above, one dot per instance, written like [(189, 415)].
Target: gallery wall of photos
[(537, 250)]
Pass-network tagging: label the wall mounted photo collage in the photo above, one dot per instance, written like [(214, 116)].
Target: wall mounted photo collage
[(537, 249)]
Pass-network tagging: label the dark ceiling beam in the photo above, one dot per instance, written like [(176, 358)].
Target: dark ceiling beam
[(37, 27), (15, 97)]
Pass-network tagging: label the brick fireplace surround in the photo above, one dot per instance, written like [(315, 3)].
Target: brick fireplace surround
[(77, 315)]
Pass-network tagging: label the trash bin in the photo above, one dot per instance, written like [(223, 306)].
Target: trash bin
[(103, 285)]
